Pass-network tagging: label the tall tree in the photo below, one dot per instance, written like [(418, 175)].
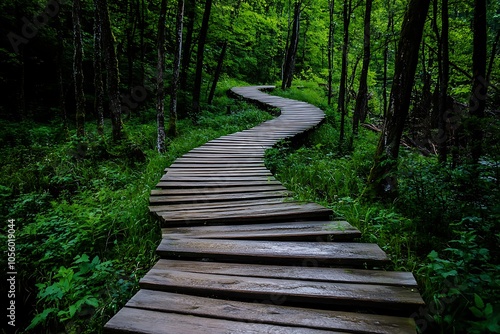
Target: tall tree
[(444, 79), (98, 82), (113, 76), (477, 101), (331, 34), (222, 54), (343, 75), (160, 85), (291, 52), (190, 16), (199, 58), (382, 182), (360, 109), (78, 69), (172, 124)]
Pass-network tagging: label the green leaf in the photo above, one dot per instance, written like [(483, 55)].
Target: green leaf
[(478, 313), (40, 317), (82, 259), (488, 310), (92, 302), (478, 301)]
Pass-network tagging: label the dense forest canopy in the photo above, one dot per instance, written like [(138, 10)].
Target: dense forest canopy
[(87, 86)]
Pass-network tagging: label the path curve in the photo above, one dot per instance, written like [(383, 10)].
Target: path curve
[(239, 255)]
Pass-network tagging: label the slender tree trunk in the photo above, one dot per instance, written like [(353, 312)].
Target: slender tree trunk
[(160, 85), (218, 71), (98, 82), (222, 55), (291, 52), (360, 110), (477, 101), (60, 75), (113, 76), (382, 181), (331, 35), (199, 59), (172, 125), (343, 75), (78, 69), (444, 81), (190, 13)]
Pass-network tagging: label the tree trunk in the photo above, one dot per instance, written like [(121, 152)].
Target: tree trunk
[(382, 181), (98, 82), (113, 76), (343, 75), (78, 69), (444, 106), (331, 35), (60, 75), (190, 12), (291, 52), (218, 71), (477, 101), (360, 110), (172, 125), (160, 85), (199, 59), (493, 55)]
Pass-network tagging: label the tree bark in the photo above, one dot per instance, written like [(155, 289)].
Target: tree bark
[(98, 82), (78, 69), (444, 106), (113, 76), (199, 59), (172, 125), (190, 13), (343, 75), (477, 103), (331, 35), (218, 71), (160, 85), (382, 182), (291, 52), (360, 110)]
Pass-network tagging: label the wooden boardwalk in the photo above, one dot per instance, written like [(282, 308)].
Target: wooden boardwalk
[(239, 255)]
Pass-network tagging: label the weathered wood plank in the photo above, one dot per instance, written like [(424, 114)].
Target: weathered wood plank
[(132, 320), (319, 274), (216, 178), (208, 208), (212, 184), (289, 291), (274, 252), (283, 211), (199, 198), (304, 231), (271, 314), (205, 191)]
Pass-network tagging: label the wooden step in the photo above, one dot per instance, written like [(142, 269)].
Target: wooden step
[(303, 231), (289, 291), (132, 320), (274, 252), (264, 213), (254, 313), (204, 198)]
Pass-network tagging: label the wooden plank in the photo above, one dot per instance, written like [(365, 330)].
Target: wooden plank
[(217, 178), (206, 191), (319, 274), (132, 320), (198, 198), (209, 207), (214, 184), (289, 291), (207, 173), (279, 212), (267, 313), (234, 161), (314, 231), (273, 252), (230, 165)]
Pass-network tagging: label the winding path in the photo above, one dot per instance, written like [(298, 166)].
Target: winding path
[(239, 255)]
